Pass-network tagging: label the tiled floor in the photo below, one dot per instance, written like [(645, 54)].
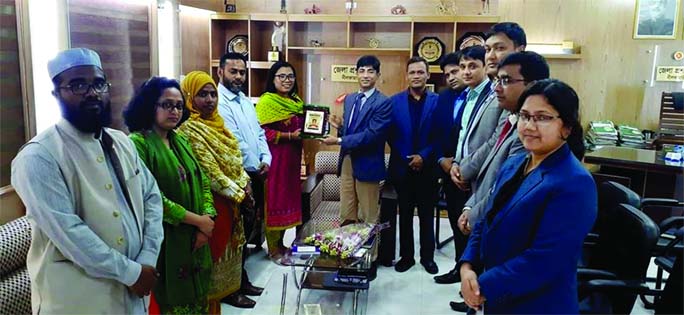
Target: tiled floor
[(413, 292)]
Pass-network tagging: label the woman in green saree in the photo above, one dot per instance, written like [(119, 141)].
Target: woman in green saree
[(185, 261)]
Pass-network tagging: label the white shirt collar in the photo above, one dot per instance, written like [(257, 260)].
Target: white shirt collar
[(368, 93)]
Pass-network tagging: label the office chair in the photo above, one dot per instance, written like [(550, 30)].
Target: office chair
[(616, 273)]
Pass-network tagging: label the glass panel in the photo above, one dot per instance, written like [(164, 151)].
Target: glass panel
[(12, 133), (119, 32)]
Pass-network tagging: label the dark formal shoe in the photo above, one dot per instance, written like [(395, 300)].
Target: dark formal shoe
[(249, 289), (452, 276), (238, 300), (373, 271), (459, 306), (404, 264), (429, 266)]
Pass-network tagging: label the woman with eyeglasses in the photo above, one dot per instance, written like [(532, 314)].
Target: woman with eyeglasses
[(522, 256), (279, 112), (218, 153), (185, 259)]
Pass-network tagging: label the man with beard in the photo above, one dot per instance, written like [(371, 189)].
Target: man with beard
[(240, 118), (95, 209)]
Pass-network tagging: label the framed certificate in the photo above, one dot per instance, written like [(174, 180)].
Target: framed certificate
[(316, 123)]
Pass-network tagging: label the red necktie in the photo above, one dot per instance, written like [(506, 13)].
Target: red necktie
[(507, 126)]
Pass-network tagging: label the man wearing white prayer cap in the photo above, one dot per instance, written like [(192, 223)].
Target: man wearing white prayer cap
[(95, 209)]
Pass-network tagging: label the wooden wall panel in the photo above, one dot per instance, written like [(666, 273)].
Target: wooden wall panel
[(12, 135), (195, 48), (11, 206), (610, 77), (120, 35)]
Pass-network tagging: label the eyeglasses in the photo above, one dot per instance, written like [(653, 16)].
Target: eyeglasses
[(170, 106), (283, 77), (82, 88), (537, 119), (506, 81), (204, 93)]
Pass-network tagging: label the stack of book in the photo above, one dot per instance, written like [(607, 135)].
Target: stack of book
[(602, 132), (631, 137)]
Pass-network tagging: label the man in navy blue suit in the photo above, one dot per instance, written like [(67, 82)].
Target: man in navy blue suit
[(448, 120), (412, 165), (475, 112), (362, 133)]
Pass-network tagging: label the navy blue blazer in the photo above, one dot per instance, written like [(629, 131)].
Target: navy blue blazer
[(529, 250), (365, 139), (445, 123), (401, 135)]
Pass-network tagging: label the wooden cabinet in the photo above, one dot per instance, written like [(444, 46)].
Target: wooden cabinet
[(313, 43)]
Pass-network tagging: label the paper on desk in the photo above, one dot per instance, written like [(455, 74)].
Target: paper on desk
[(312, 309)]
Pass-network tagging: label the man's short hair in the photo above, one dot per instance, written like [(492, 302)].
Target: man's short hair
[(533, 66), (453, 58), (232, 56), (368, 60), (416, 59), (512, 30), (474, 53)]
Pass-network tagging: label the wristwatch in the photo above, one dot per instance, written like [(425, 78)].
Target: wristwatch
[(339, 140), (466, 208)]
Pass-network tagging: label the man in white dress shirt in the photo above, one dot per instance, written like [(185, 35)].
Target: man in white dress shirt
[(239, 116)]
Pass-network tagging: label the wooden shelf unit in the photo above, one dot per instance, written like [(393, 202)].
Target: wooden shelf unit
[(343, 36)]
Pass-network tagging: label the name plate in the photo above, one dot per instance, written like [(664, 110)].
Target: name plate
[(670, 73), (343, 73)]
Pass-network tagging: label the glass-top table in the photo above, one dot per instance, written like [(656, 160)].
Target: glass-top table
[(360, 262), (343, 283), (283, 296)]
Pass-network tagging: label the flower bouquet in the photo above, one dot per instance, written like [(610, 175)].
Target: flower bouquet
[(343, 242)]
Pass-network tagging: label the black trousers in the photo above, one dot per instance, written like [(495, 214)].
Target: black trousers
[(417, 189), (252, 220), (455, 199)]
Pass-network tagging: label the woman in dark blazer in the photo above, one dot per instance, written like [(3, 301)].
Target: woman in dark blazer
[(522, 257)]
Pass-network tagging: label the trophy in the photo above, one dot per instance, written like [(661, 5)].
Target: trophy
[(276, 41)]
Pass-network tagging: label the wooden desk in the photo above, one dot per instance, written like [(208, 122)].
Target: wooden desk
[(651, 176)]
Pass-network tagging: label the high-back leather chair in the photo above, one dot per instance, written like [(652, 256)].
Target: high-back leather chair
[(623, 253), (610, 195)]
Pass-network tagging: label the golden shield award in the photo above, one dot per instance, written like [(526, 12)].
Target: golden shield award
[(238, 44), (430, 48)]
